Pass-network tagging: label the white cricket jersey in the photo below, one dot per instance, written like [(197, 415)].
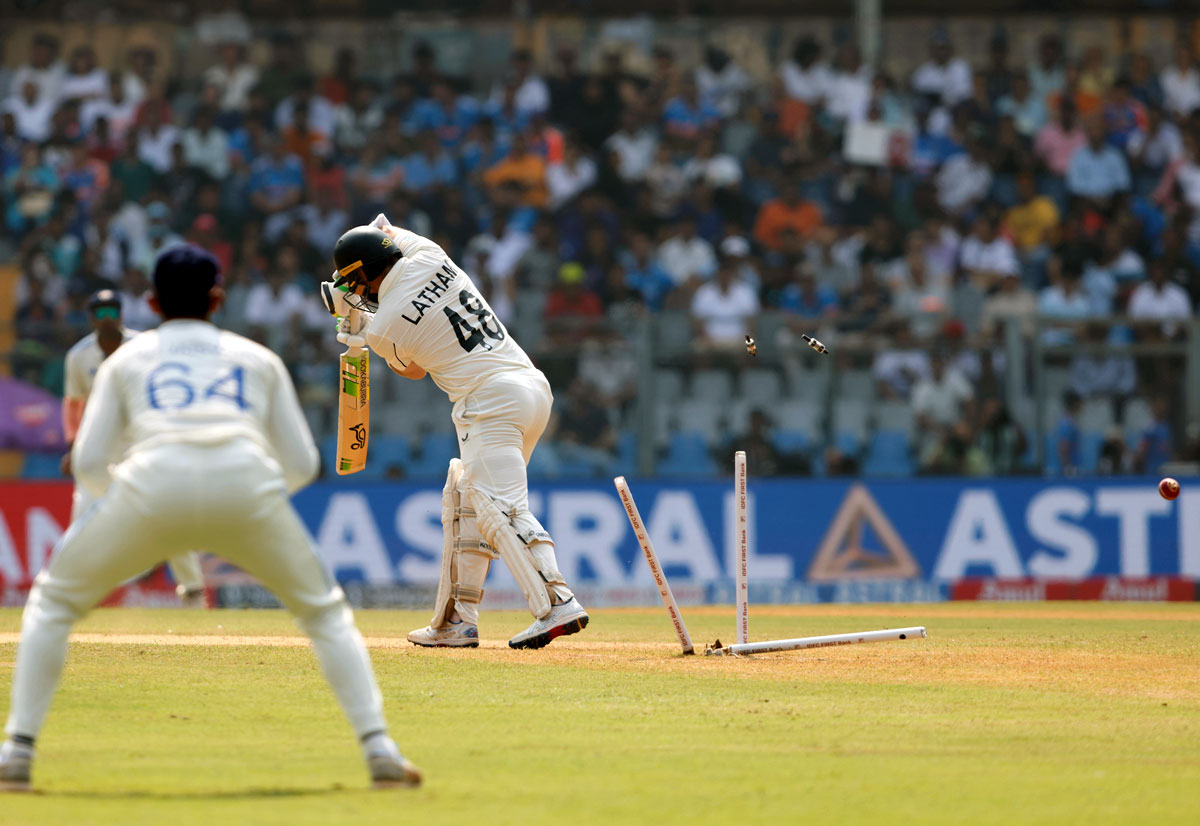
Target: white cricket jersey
[(83, 360), (432, 313), (189, 382)]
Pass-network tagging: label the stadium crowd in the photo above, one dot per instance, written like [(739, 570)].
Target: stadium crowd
[(906, 217)]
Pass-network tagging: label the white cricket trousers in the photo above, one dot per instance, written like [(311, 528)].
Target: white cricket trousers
[(498, 427), (185, 568), (228, 498)]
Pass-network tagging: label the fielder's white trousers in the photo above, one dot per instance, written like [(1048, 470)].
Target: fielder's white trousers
[(185, 568), (227, 498), (498, 427)]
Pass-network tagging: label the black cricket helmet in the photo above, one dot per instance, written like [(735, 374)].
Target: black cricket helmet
[(361, 255)]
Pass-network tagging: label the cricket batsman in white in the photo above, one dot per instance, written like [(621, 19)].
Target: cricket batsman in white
[(216, 442), (428, 316), (83, 360)]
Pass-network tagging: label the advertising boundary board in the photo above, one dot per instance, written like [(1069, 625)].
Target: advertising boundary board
[(809, 540)]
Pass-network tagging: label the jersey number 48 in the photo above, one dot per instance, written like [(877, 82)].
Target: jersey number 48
[(469, 336)]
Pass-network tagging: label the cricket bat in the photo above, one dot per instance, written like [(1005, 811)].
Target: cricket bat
[(354, 410)]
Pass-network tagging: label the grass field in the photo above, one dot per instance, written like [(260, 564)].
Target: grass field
[(1061, 713)]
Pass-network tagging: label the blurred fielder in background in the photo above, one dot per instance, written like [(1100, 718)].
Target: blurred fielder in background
[(217, 443), (83, 360), (428, 316)]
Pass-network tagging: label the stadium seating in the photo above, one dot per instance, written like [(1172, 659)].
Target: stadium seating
[(687, 455)]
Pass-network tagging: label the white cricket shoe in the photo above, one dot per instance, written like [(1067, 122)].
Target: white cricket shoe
[(454, 635), (565, 618), (192, 599), (16, 763), (392, 771)]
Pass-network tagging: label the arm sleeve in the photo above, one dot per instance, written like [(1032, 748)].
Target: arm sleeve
[(288, 432), (101, 428)]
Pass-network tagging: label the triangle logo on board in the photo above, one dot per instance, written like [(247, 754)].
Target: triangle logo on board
[(843, 554)]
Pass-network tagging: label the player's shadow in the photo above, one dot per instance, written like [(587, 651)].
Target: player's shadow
[(230, 794)]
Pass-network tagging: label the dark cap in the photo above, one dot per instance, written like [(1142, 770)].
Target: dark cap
[(185, 271), (103, 298)]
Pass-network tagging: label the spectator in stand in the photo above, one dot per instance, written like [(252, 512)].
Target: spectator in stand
[(715, 170), (532, 93), (44, 70), (685, 256), (357, 117), (644, 275), (1159, 299), (325, 221), (205, 232), (1011, 300), (157, 135), (918, 300), (582, 430), (1154, 443), (631, 148), (807, 299), (1033, 225), (206, 146), (84, 80), (1064, 299), (277, 180), (1111, 270), (1048, 73), (1146, 86), (571, 308), (687, 117), (805, 78), (339, 84), (998, 76), (1124, 115), (723, 312), (276, 308), (964, 180), (482, 150), (1098, 172), (521, 167), (567, 178), (233, 77), (722, 82), (1181, 83), (537, 268), (938, 399), (31, 111), (306, 109), (116, 107), (1155, 147), (1059, 140), (29, 191), (429, 166), (788, 212), (986, 257), (1102, 375), (943, 77), (666, 183), (901, 365), (850, 86), (1087, 104), (1067, 442), (1027, 110), (447, 113)]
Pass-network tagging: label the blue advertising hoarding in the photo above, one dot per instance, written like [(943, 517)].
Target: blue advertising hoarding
[(801, 531)]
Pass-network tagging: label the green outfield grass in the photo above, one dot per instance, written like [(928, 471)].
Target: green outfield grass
[(1006, 714)]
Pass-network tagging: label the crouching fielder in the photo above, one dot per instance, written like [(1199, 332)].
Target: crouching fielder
[(431, 318), (217, 441)]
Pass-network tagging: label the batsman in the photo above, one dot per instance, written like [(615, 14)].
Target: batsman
[(400, 295)]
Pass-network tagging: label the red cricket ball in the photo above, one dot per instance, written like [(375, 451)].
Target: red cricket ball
[(1168, 488)]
